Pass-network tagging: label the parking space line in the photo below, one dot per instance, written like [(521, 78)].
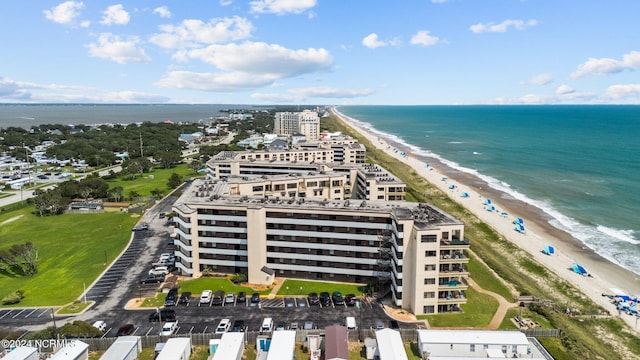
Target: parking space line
[(148, 331), (44, 311), (205, 330), (190, 331), (16, 315), (29, 314), (7, 313)]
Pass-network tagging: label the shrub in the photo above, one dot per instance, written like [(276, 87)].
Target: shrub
[(238, 278), (13, 298)]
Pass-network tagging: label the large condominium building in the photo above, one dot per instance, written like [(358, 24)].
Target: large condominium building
[(306, 123), (415, 252)]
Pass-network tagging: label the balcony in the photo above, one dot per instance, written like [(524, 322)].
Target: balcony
[(452, 297), (456, 269), (452, 284), (449, 257), (454, 243)]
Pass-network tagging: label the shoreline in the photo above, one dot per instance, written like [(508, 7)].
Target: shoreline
[(606, 275)]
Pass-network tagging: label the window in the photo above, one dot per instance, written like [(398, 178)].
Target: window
[(428, 309), (429, 294), (428, 238), (445, 235), (472, 348), (429, 253), (257, 188), (429, 267), (292, 186), (429, 281)]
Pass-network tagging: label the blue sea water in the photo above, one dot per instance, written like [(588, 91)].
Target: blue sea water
[(578, 164)]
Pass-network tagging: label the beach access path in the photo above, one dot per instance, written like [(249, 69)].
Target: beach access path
[(607, 278)]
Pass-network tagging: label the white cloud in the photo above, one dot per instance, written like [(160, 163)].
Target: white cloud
[(439, 1), (616, 92), (281, 7), (303, 94), (163, 11), (603, 66), (565, 89), (503, 26), (423, 38), (192, 32), (64, 13), (570, 97), (115, 15), (246, 66), (226, 2), (371, 41), (112, 47), (263, 58), (540, 79), (222, 82)]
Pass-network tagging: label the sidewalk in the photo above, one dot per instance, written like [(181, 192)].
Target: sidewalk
[(274, 291)]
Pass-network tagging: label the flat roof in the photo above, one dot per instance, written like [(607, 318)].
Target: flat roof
[(472, 337), (72, 350), (174, 348), (20, 353), (230, 344), (121, 347), (390, 345), (283, 343)]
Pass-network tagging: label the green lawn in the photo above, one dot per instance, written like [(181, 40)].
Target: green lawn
[(302, 287), (156, 179), (196, 286), (486, 279), (71, 252), (478, 312)]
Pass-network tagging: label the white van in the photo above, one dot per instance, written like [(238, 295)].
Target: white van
[(267, 325), (100, 325), (351, 323), (169, 328)]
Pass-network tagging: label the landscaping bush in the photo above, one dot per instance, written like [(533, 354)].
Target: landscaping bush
[(13, 298), (239, 278)]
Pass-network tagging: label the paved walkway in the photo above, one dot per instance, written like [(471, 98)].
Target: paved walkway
[(504, 305), (274, 291)]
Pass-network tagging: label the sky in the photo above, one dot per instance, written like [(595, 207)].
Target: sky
[(332, 52)]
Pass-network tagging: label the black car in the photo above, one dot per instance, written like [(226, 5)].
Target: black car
[(337, 298), (152, 279), (313, 299), (255, 298), (393, 324), (125, 330), (238, 326), (184, 298), (163, 315), (242, 298), (172, 298), (325, 299), (350, 299)]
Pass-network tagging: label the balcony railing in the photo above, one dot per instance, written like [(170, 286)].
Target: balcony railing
[(455, 242), (454, 283)]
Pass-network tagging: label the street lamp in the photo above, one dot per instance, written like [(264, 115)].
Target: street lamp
[(53, 317)]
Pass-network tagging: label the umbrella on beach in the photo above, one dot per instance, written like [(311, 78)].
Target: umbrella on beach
[(518, 221), (487, 202), (452, 186), (491, 208), (465, 195), (549, 250), (579, 269), (504, 214), (520, 228)]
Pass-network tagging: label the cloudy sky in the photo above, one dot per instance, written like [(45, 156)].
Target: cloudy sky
[(321, 51)]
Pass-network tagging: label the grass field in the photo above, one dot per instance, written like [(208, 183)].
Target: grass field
[(72, 250), (301, 287), (196, 286), (156, 179)]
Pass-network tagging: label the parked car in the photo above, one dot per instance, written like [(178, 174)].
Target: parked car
[(152, 279), (350, 299), (242, 297), (255, 298), (223, 326), (205, 297), (163, 315), (313, 299), (280, 327), (230, 298), (293, 326), (159, 270), (185, 297), (379, 325), (218, 298), (125, 330), (337, 298), (238, 326), (289, 302), (325, 298), (100, 325), (169, 328), (393, 324), (172, 298), (308, 325)]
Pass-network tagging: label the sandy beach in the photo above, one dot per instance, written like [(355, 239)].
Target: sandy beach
[(605, 277)]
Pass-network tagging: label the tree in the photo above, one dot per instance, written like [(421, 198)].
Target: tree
[(174, 181), (168, 158), (156, 193), (20, 258), (116, 193), (195, 165), (133, 194)]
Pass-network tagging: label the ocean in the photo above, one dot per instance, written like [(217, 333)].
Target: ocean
[(578, 164), (18, 115)]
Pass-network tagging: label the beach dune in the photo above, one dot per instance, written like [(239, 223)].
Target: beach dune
[(604, 277)]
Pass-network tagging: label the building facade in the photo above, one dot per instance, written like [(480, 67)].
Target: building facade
[(414, 252), (306, 123)]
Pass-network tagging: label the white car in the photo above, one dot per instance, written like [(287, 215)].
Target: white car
[(223, 326), (159, 270), (205, 297)]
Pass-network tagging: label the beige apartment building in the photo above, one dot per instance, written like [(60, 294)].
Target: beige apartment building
[(306, 123)]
